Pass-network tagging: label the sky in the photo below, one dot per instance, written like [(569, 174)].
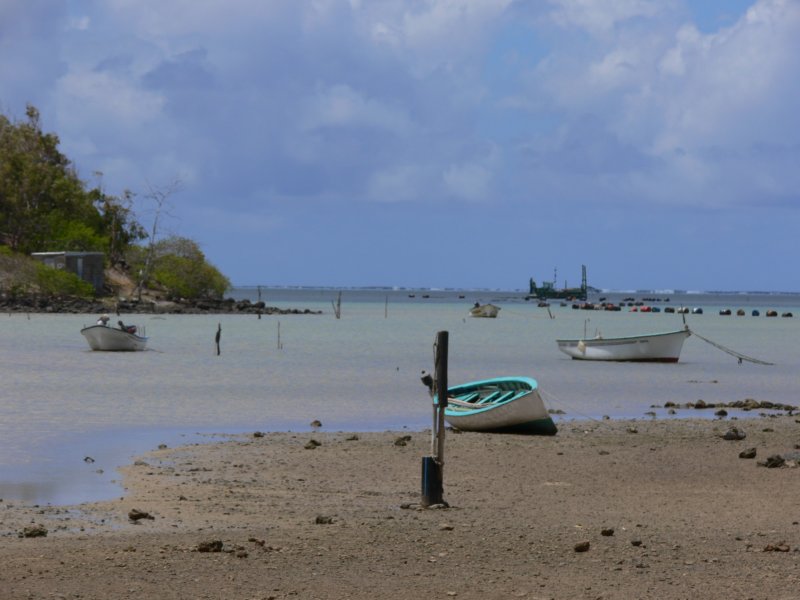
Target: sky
[(435, 143)]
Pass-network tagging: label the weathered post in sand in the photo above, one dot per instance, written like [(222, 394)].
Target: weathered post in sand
[(433, 466)]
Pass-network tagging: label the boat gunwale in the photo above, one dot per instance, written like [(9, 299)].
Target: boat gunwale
[(627, 338), (495, 380), (126, 333), (529, 385)]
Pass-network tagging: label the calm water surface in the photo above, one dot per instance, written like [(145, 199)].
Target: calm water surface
[(61, 403)]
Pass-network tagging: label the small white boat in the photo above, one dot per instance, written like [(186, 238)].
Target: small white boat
[(122, 339), (655, 347), (484, 310), (501, 405)]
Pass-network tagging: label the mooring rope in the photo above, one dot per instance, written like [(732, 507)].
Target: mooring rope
[(738, 355), (554, 401)]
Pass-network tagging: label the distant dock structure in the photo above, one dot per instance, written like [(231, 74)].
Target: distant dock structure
[(549, 290)]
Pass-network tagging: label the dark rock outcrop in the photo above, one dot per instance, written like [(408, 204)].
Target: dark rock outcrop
[(48, 304)]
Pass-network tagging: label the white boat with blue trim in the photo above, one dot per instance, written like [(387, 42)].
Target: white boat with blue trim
[(501, 405), (654, 347)]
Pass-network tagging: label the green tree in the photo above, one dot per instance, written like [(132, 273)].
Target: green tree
[(119, 223), (44, 206), (57, 282), (180, 268), (39, 191)]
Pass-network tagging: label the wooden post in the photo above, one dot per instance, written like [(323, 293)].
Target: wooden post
[(218, 336), (433, 466), (441, 389)]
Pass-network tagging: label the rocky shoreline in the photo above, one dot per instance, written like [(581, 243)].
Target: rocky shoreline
[(56, 305)]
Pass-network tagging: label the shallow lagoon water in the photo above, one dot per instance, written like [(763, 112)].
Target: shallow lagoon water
[(61, 403)]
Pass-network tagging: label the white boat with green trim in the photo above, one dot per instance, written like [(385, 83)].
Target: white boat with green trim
[(501, 405)]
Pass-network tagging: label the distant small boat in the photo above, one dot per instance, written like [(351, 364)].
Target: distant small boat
[(124, 339), (500, 405), (655, 347), (484, 310)]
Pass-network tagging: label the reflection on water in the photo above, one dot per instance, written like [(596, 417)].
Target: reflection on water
[(60, 402)]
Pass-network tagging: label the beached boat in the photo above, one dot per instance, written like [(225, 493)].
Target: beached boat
[(655, 347), (484, 310), (501, 405), (124, 338)]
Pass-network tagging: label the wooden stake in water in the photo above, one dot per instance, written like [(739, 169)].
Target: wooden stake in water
[(218, 336), (337, 306)]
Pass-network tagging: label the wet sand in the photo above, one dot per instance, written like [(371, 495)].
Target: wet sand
[(661, 509)]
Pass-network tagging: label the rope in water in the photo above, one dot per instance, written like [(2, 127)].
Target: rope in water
[(738, 355)]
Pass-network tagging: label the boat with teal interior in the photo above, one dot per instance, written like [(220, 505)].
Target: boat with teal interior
[(501, 405)]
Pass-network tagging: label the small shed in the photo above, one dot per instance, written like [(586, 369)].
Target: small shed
[(89, 266)]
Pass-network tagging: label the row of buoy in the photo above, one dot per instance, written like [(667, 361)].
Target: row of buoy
[(670, 309), (755, 313)]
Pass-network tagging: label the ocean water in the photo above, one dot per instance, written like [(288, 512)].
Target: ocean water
[(69, 416)]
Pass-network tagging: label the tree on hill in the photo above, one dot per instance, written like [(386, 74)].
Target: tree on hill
[(44, 206), (180, 268)]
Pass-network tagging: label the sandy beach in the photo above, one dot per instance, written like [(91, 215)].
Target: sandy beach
[(605, 509)]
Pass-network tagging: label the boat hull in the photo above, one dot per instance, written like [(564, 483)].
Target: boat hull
[(517, 408), (102, 337), (657, 347), (487, 311)]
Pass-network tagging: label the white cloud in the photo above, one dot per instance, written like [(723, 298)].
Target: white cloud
[(342, 106), (102, 97), (733, 88), (79, 23), (402, 183), (688, 42), (693, 114), (601, 17), (156, 19), (469, 182), (432, 36)]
